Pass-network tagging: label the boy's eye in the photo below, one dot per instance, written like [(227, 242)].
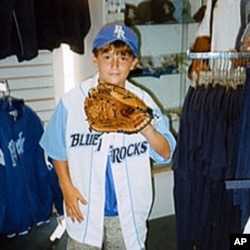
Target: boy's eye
[(107, 57), (124, 58)]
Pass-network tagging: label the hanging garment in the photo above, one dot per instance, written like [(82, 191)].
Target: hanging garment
[(27, 26), (242, 196), (17, 29), (245, 20), (62, 21), (205, 156), (25, 195)]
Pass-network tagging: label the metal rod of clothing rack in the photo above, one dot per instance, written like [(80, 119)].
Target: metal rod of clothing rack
[(225, 68), (217, 55)]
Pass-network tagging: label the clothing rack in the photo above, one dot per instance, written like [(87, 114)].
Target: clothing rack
[(222, 71), (224, 68)]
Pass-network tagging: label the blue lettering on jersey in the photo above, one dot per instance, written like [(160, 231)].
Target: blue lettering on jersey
[(135, 149), (89, 139)]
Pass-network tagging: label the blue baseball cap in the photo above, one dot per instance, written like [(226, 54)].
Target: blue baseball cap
[(117, 32)]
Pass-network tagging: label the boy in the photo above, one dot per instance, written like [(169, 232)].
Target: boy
[(105, 177)]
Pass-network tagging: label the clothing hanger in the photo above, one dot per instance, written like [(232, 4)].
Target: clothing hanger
[(3, 85), (219, 68), (5, 89)]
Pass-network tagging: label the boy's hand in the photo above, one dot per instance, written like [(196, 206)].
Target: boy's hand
[(72, 197)]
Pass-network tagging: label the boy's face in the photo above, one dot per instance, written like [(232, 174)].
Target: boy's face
[(114, 67)]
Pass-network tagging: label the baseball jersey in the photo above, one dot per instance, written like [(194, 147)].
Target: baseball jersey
[(69, 138)]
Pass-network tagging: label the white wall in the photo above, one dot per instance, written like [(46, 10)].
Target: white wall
[(32, 81), (163, 204)]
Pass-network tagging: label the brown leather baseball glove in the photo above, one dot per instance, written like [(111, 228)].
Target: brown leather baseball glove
[(110, 108)]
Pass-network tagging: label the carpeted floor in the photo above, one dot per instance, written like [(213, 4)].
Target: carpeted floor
[(161, 236)]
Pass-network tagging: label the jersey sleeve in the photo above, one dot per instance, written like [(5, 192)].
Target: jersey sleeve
[(161, 125), (53, 139)]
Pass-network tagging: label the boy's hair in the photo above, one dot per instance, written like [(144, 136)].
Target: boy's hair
[(119, 47)]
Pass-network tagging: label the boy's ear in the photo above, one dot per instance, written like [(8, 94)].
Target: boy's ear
[(134, 63), (94, 59)]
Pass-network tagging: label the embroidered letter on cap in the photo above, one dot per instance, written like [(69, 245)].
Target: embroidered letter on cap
[(119, 32)]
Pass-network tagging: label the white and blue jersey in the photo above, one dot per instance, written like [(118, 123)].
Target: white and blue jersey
[(68, 138)]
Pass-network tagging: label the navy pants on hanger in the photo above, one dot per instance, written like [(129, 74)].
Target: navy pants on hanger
[(204, 158), (242, 196)]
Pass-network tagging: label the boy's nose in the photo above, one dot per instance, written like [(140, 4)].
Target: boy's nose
[(115, 63)]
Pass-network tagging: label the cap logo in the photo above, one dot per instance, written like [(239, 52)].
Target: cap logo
[(119, 32)]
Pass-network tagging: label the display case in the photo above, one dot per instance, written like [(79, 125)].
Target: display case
[(167, 30)]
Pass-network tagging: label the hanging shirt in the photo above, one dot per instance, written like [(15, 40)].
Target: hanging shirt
[(226, 24), (29, 26)]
